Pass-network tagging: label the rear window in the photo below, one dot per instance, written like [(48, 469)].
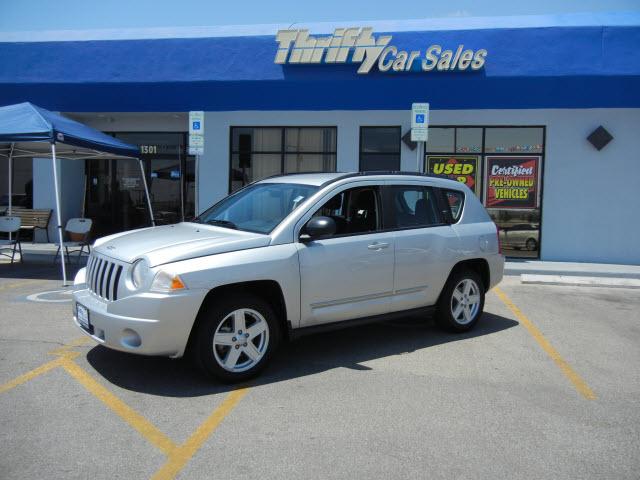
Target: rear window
[(455, 200)]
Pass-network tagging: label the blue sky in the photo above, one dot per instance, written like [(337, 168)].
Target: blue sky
[(20, 15)]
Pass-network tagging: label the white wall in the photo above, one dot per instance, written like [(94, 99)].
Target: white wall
[(591, 199), (71, 178)]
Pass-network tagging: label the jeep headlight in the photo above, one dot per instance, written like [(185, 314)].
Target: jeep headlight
[(166, 282), (139, 273)]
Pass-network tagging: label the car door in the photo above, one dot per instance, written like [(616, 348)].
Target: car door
[(349, 275), (425, 244)]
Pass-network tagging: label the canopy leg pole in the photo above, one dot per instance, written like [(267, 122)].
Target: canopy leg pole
[(146, 191), (58, 215), (11, 184)]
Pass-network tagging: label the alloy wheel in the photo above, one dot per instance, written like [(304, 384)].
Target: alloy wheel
[(241, 340), (465, 301)]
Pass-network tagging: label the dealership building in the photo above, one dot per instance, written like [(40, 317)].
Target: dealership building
[(538, 115)]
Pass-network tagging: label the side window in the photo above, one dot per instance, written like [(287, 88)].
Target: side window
[(412, 206), (355, 211), (455, 200)]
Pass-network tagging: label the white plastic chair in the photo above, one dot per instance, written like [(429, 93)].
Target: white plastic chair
[(80, 226), (10, 225)]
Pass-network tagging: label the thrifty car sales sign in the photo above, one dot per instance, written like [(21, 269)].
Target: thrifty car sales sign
[(358, 45)]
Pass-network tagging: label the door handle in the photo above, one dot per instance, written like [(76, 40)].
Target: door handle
[(378, 246)]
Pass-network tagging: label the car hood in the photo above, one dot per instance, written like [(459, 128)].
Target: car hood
[(172, 243)]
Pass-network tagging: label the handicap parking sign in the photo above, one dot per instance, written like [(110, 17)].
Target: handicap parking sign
[(196, 125), (420, 118)]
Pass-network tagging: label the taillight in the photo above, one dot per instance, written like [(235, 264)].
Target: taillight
[(499, 242)]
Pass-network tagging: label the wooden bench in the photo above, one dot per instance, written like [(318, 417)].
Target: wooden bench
[(32, 219)]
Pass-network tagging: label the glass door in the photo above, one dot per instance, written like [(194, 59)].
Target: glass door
[(115, 191), (115, 196), (163, 155)]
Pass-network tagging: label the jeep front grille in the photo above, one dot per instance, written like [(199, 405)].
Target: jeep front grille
[(103, 276)]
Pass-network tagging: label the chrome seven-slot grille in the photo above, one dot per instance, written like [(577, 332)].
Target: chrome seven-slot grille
[(103, 277)]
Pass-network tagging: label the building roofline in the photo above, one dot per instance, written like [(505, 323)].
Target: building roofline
[(392, 26)]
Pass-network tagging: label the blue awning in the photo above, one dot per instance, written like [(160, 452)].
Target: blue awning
[(25, 122)]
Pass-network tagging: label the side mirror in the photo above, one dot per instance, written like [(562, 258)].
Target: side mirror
[(318, 228)]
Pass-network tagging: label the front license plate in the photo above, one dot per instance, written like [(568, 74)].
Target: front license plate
[(83, 317)]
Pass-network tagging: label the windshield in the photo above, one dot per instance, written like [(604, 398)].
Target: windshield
[(258, 208)]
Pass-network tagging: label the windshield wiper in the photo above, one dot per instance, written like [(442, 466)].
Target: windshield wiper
[(222, 223)]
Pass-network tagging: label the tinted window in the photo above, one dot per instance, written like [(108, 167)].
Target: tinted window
[(455, 200), (260, 152), (412, 206), (379, 148), (441, 140), (514, 140), (354, 211)]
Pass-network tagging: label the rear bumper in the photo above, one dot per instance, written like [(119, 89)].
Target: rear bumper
[(496, 270), (146, 323)]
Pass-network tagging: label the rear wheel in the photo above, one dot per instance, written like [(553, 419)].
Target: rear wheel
[(462, 301), (236, 338), (531, 244)]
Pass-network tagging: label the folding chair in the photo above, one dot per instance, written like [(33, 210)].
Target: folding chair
[(10, 225), (78, 226)]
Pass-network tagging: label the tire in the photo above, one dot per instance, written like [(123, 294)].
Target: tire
[(531, 244), (235, 357), (449, 301)]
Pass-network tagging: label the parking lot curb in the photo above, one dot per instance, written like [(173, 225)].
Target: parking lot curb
[(579, 281), (571, 269)]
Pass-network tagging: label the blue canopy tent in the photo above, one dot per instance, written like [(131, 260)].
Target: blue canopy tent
[(28, 131)]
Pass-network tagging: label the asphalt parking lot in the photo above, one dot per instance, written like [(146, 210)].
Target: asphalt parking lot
[(547, 386)]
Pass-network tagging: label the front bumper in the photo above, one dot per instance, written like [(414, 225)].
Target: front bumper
[(145, 323)]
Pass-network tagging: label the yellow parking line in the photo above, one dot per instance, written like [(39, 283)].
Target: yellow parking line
[(181, 455), (124, 411), (32, 374), (64, 350), (569, 372)]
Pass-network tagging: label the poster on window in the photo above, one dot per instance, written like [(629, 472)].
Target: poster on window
[(512, 182), (463, 168)]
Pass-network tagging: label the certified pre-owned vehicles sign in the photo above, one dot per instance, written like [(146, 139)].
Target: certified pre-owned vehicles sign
[(359, 45)]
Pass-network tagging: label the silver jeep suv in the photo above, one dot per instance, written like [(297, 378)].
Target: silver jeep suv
[(286, 256)]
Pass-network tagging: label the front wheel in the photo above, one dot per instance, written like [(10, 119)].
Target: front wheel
[(462, 301), (236, 338)]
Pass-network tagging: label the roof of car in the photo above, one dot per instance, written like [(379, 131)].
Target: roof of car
[(321, 179)]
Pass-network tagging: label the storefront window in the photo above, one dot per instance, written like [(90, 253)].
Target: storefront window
[(379, 149), (468, 140), (505, 173), (260, 152), (441, 140), (22, 186), (513, 140)]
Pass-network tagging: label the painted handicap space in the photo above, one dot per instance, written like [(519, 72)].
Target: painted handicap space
[(51, 296)]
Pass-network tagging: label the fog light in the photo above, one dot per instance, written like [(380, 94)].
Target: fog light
[(130, 338)]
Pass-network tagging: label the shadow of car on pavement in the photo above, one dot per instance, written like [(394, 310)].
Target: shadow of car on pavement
[(346, 348), (38, 271)]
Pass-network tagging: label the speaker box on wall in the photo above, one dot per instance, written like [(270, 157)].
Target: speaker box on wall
[(600, 137), (406, 138)]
